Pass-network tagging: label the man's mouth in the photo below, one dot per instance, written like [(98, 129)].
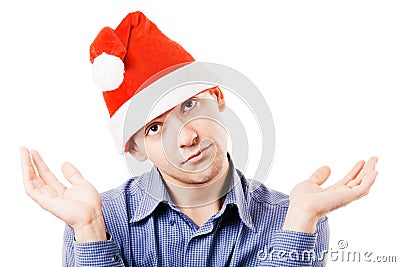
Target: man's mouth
[(198, 155)]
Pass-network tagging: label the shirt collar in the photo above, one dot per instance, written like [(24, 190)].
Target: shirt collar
[(236, 196), (155, 192)]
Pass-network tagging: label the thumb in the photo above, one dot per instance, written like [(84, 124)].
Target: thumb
[(320, 175), (71, 173)]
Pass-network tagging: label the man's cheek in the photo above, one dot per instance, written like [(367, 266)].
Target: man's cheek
[(169, 146)]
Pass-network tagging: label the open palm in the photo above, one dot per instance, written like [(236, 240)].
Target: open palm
[(309, 201), (77, 205)]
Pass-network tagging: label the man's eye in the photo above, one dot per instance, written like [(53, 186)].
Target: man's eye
[(153, 129), (189, 104)]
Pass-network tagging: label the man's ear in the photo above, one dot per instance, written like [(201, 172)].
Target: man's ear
[(136, 151), (217, 93), (138, 155)]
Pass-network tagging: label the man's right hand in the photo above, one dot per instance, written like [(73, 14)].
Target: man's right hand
[(79, 205)]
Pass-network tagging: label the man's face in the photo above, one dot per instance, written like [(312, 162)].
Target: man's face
[(188, 144)]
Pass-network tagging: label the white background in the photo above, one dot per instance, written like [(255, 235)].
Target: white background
[(328, 70)]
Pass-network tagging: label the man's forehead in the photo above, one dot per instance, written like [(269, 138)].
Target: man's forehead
[(202, 94)]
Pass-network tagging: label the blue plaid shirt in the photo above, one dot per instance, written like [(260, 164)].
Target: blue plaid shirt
[(145, 228)]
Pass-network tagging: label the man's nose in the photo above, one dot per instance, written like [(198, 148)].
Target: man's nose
[(187, 136)]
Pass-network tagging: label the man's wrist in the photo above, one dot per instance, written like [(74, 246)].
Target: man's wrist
[(95, 231), (299, 221)]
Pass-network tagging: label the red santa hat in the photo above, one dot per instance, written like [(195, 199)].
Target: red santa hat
[(127, 61)]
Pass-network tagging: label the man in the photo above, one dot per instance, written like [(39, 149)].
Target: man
[(193, 208)]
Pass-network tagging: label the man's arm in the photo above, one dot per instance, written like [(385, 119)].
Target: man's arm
[(303, 239)]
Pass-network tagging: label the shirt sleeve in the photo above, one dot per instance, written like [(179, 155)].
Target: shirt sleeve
[(297, 249), (101, 253)]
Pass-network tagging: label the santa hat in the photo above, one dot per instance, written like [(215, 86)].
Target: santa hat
[(127, 62)]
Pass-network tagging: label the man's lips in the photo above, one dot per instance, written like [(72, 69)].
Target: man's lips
[(197, 153)]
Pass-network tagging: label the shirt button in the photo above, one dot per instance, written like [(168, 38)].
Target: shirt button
[(171, 222), (115, 258)]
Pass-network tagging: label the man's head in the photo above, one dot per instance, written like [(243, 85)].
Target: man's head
[(187, 143), (129, 64)]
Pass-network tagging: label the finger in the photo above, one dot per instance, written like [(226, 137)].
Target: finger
[(369, 166), (371, 163), (366, 183), (320, 175), (345, 195), (352, 173), (42, 168), (48, 177), (32, 183), (28, 171), (71, 173), (30, 178)]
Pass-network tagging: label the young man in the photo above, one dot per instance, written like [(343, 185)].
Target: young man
[(193, 208)]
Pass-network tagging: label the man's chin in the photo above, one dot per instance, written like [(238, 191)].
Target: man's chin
[(204, 177)]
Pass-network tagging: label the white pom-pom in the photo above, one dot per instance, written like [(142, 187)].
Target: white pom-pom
[(108, 71)]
